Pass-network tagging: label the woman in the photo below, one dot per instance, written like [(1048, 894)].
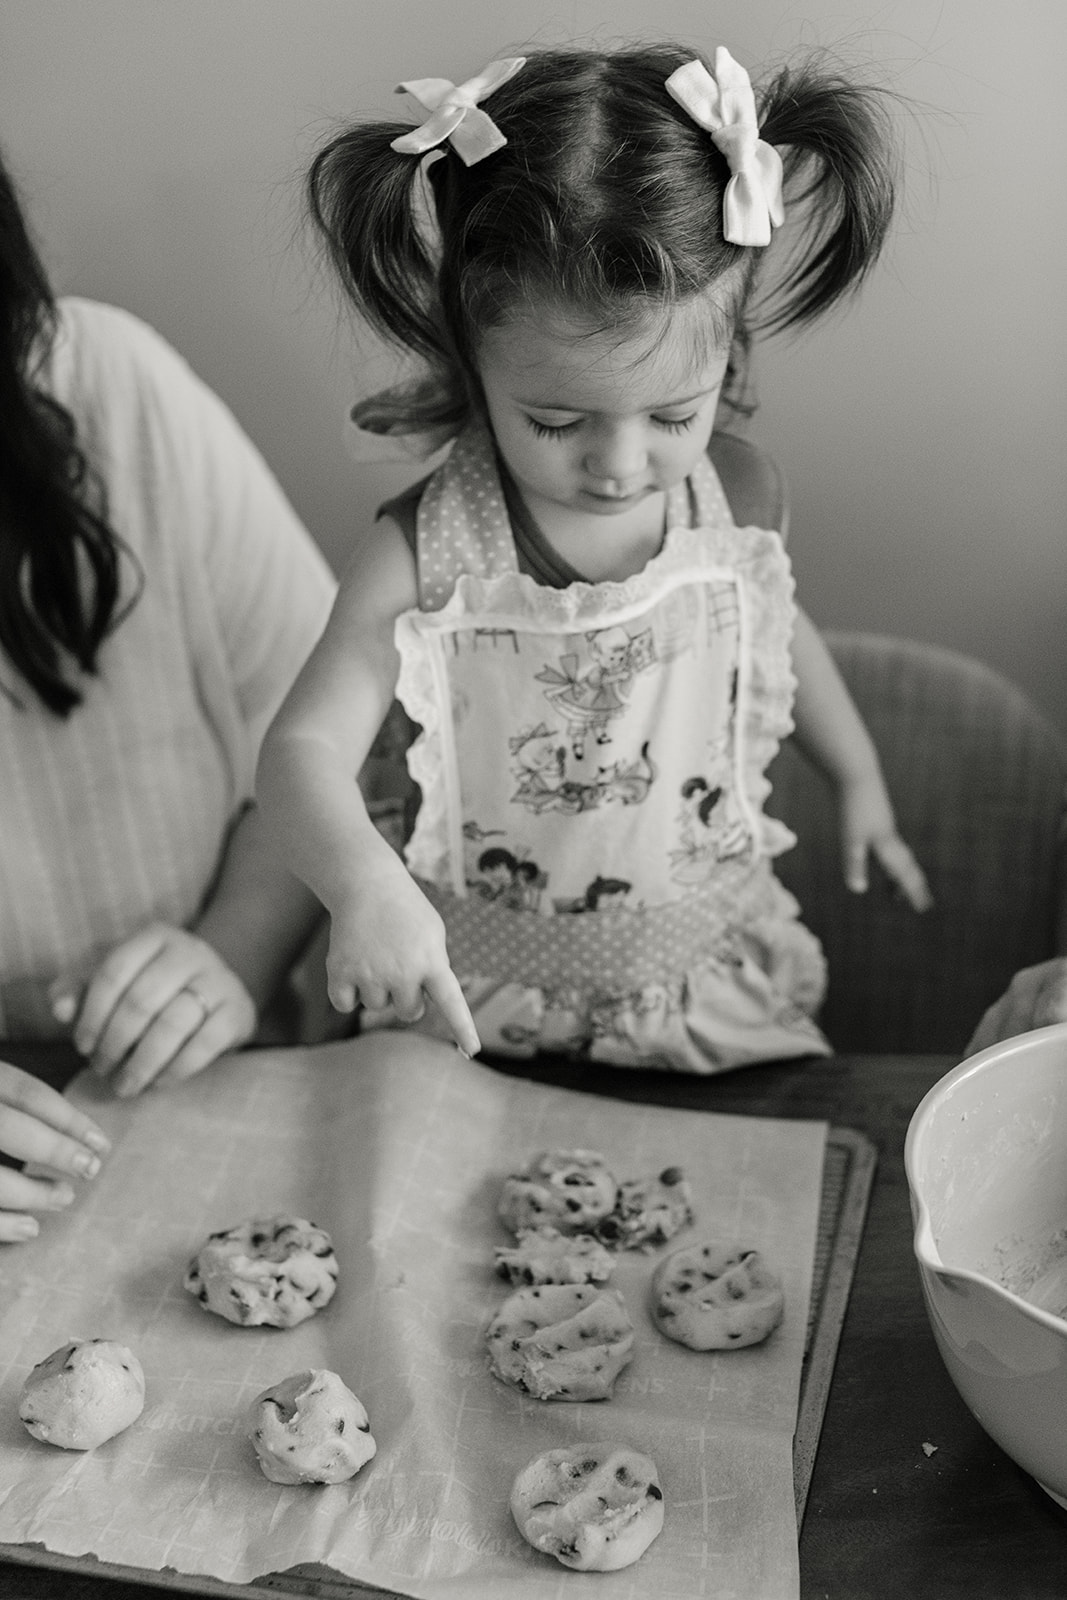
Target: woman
[(157, 596)]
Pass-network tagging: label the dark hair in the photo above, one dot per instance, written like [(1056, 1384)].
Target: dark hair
[(59, 558), (496, 856), (602, 886), (607, 197), (708, 804)]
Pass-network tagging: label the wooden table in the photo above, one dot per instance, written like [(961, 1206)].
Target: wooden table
[(885, 1517)]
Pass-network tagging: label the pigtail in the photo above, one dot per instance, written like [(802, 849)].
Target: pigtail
[(367, 203), (837, 149)]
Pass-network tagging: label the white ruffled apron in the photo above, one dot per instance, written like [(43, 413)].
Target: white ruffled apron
[(592, 764)]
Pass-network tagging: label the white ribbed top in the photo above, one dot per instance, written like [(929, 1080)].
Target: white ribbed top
[(117, 815)]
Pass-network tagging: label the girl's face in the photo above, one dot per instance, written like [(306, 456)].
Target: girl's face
[(594, 423)]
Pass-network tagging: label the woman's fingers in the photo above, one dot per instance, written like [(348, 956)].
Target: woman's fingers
[(21, 1195), (111, 980), (38, 1124), (1050, 1002), (993, 1026), (150, 998), (1035, 998), (168, 991), (185, 1037), (24, 1138)]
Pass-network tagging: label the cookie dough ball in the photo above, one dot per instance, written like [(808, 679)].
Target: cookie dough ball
[(276, 1271), (561, 1342), (566, 1189), (595, 1507), (713, 1296), (544, 1255), (648, 1211), (84, 1393), (310, 1428)]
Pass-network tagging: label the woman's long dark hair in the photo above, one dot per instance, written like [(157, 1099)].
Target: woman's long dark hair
[(606, 198), (59, 557)]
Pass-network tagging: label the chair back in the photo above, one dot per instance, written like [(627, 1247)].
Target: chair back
[(977, 777)]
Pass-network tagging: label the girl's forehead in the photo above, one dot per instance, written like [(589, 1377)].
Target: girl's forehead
[(542, 357)]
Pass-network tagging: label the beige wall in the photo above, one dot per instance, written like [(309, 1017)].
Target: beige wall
[(923, 431)]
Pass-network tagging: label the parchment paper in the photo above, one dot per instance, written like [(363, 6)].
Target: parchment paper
[(398, 1146)]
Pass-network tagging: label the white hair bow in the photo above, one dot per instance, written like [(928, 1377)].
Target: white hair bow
[(725, 106), (454, 115)]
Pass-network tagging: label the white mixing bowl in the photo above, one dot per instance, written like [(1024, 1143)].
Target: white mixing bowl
[(986, 1159)]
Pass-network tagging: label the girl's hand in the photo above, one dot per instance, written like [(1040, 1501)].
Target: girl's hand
[(1035, 997), (161, 1006), (387, 948), (39, 1126), (868, 827)]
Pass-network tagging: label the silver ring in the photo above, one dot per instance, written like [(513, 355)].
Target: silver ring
[(194, 993)]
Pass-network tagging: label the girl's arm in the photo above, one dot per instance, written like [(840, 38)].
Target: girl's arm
[(387, 943), (832, 734)]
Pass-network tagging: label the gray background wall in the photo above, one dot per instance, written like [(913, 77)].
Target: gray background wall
[(923, 432)]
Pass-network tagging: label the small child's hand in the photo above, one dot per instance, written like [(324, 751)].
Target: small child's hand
[(161, 1005), (387, 949), (868, 827), (38, 1126)]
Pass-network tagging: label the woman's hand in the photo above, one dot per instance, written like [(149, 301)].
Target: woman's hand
[(160, 1007), (37, 1125), (868, 827), (387, 950), (1035, 997)]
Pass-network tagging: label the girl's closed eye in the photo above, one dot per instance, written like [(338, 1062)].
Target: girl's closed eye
[(548, 430), (556, 430)]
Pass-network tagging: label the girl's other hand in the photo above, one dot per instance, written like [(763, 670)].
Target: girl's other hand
[(37, 1125), (160, 1007), (1035, 997), (869, 828), (388, 950)]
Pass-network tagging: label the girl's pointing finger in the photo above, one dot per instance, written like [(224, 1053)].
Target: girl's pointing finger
[(445, 992)]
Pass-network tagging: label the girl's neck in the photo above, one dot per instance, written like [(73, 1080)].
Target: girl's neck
[(603, 549), (600, 549)]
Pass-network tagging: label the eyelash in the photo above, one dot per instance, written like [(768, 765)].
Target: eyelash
[(543, 431), (669, 425)]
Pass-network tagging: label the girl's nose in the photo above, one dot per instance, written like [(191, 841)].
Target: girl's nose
[(617, 453)]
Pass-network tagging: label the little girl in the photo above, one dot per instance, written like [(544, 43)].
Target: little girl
[(600, 662)]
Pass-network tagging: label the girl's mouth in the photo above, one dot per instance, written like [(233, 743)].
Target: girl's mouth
[(615, 499)]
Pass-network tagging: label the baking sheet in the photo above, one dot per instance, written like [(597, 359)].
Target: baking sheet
[(398, 1147)]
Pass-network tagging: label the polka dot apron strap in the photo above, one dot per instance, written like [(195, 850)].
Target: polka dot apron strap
[(462, 522)]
